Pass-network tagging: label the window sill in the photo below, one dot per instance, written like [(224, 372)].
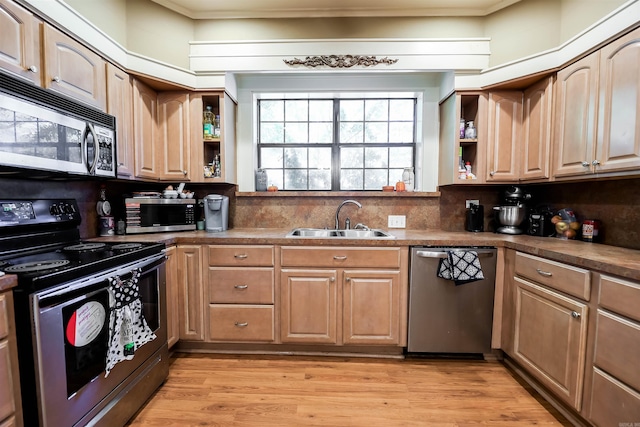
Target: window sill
[(338, 194)]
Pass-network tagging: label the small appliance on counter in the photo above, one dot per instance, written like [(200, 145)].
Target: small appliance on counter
[(216, 212), (540, 222), (475, 218), (511, 215)]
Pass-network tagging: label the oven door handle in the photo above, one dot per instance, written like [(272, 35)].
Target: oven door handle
[(145, 265)]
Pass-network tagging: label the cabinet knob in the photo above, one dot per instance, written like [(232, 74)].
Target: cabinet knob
[(595, 162), (184, 173), (241, 287), (33, 69), (348, 279), (120, 164), (585, 164), (333, 279), (242, 324), (56, 79), (575, 314), (492, 173)]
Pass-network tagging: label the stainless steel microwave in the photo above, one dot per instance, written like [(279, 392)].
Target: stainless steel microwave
[(41, 130), (154, 214)]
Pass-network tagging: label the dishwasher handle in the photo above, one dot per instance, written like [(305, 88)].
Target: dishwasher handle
[(441, 254)]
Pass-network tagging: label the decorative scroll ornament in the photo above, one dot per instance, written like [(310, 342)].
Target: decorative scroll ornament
[(339, 61)]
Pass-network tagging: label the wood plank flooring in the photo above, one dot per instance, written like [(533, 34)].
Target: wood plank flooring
[(238, 391)]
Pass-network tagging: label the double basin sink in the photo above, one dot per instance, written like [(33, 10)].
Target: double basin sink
[(321, 233)]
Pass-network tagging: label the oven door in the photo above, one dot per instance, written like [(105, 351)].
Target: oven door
[(71, 327)]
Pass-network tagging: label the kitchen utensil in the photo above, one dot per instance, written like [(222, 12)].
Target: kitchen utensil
[(510, 217)]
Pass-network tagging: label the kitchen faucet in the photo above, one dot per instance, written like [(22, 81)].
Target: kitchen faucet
[(340, 207)]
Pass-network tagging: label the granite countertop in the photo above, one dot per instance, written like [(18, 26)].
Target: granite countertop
[(607, 259), (7, 281)]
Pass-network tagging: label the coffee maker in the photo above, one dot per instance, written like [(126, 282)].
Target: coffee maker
[(216, 212), (475, 218), (511, 215)]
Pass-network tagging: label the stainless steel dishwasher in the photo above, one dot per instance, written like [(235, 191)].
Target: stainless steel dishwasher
[(445, 318)]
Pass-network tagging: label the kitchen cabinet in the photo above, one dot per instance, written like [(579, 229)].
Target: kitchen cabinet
[(20, 42), (241, 293), (119, 100), (504, 135), (344, 295), (145, 112), (173, 292), (204, 151), (550, 325), (72, 69), (10, 402), (615, 385), (470, 106), (537, 131), (174, 142), (190, 259)]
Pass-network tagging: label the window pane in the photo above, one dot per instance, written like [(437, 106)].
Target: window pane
[(352, 110), (296, 133), (295, 157), (376, 157), (351, 179), (296, 111), (401, 132), (271, 158), (351, 157), (321, 133), (271, 111), (320, 180), (375, 179), (274, 177), (395, 175), (321, 111), (295, 179), (401, 157), (272, 133), (376, 132), (401, 109), (320, 158), (351, 132), (376, 109)]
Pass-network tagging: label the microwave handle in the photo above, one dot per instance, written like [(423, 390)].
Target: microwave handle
[(91, 166)]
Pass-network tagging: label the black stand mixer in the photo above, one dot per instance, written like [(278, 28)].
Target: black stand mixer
[(513, 212)]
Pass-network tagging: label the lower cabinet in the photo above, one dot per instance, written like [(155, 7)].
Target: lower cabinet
[(190, 291), (10, 403), (173, 306), (359, 303)]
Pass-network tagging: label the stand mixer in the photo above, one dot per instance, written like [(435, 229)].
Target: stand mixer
[(511, 215)]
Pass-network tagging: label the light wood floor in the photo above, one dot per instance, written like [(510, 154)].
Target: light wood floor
[(219, 390)]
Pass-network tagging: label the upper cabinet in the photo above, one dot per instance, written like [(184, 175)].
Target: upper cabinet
[(145, 129), (536, 130), (173, 143), (119, 99), (19, 42), (503, 135), (72, 69)]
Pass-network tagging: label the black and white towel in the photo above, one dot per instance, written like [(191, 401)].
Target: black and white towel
[(461, 267), (128, 329)]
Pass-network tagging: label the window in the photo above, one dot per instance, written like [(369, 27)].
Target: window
[(336, 144)]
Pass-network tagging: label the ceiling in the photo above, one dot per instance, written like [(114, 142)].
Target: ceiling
[(225, 9)]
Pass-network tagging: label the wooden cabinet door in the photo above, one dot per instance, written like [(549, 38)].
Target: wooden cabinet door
[(618, 142), (72, 69), (190, 295), (119, 98), (309, 306), (575, 120), (371, 307), (145, 112), (20, 42), (536, 130), (550, 336), (173, 306), (173, 143), (503, 135)]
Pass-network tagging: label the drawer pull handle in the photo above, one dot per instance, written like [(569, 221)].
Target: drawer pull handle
[(339, 257), (241, 256), (241, 287), (575, 314), (242, 324), (544, 273)]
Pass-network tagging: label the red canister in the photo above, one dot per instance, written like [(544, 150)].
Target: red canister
[(590, 228)]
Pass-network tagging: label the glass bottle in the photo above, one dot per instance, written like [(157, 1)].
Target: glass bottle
[(207, 120), (216, 126), (462, 131), (408, 178), (470, 131), (217, 171)]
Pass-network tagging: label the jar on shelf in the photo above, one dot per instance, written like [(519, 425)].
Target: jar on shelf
[(462, 129), (261, 180), (470, 131), (408, 177)]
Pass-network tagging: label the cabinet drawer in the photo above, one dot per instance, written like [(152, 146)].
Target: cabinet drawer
[(241, 285), (4, 319), (613, 403), (562, 277), (241, 322), (618, 348), (620, 296), (248, 256), (335, 257), (7, 402)]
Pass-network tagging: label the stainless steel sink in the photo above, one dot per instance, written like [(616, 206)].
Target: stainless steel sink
[(320, 233)]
